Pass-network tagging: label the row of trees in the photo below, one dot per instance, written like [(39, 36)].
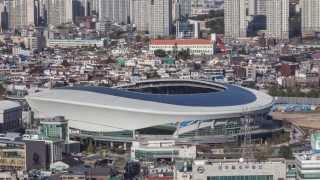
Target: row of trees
[(212, 14), (293, 92), (182, 54)]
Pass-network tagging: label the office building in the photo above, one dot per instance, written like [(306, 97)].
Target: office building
[(21, 13), (235, 169), (157, 149), (139, 14), (310, 17), (235, 19), (53, 147), (307, 165), (103, 27), (54, 129), (4, 15), (315, 142), (79, 8), (277, 13), (187, 29), (86, 7), (93, 7), (115, 10), (182, 9), (256, 7), (10, 115), (256, 17), (153, 16), (58, 11), (202, 7), (160, 22), (21, 155)]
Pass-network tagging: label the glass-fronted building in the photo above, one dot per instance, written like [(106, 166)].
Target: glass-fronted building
[(54, 129)]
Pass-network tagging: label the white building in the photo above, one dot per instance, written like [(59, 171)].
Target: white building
[(251, 73), (114, 10), (277, 19), (65, 43), (310, 18), (182, 9), (21, 13), (201, 7), (160, 18), (154, 149), (235, 19), (59, 11), (195, 46), (10, 115), (139, 14), (308, 163), (153, 16), (256, 7), (233, 169), (308, 166)]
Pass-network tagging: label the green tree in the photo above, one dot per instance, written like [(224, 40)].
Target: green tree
[(216, 25), (285, 152), (160, 53), (65, 63), (91, 148), (184, 54)]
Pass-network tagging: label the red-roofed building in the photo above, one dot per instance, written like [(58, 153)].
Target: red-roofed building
[(196, 46)]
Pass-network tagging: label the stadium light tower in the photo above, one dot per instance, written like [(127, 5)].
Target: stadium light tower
[(247, 151)]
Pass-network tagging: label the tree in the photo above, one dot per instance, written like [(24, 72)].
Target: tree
[(184, 54), (91, 148), (285, 152), (261, 156), (160, 53), (2, 90), (65, 63), (216, 25), (138, 38)]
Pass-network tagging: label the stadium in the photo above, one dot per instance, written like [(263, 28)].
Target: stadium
[(181, 108)]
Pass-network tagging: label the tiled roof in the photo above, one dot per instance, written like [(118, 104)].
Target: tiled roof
[(180, 42)]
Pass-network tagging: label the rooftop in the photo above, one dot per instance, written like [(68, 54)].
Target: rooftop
[(180, 41), (4, 105), (226, 95)]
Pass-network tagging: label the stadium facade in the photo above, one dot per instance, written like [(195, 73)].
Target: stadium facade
[(188, 108)]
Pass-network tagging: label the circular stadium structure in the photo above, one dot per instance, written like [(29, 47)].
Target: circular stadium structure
[(186, 107)]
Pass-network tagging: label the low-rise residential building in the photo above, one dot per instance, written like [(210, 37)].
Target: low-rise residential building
[(194, 46), (67, 43), (21, 155)]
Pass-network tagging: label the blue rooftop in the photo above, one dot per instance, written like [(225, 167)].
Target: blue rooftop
[(230, 96)]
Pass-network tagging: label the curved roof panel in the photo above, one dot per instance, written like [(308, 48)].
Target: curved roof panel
[(231, 96)]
